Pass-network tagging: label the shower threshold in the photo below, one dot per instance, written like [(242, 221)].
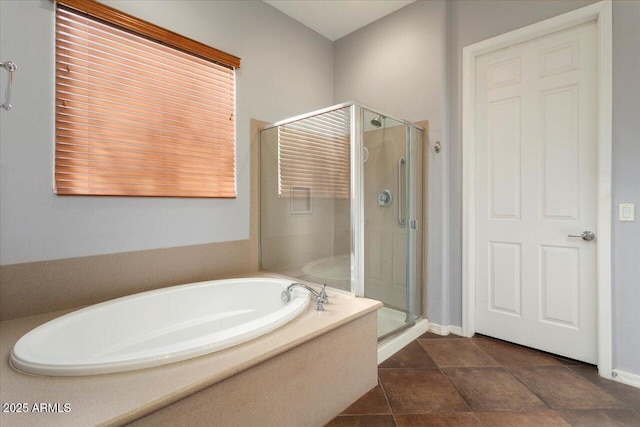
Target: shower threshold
[(390, 321), (396, 340)]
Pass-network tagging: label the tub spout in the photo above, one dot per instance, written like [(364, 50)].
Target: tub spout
[(321, 296)]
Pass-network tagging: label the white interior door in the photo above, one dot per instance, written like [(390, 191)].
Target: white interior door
[(536, 184)]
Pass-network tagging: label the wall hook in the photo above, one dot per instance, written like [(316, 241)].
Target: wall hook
[(11, 67), (437, 146)]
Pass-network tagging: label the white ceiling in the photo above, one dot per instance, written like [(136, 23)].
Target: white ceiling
[(337, 18)]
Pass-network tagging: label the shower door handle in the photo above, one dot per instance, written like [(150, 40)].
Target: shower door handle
[(401, 164)]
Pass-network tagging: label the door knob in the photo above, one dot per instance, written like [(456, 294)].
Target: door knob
[(586, 235)]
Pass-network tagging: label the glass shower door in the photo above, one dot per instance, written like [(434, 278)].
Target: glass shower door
[(305, 198), (392, 217)]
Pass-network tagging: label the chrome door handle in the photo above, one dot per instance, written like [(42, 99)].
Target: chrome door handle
[(586, 235), (401, 221), (11, 68)]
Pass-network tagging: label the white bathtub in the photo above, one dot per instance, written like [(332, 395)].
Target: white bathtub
[(157, 327)]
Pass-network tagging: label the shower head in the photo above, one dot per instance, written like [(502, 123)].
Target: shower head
[(377, 121)]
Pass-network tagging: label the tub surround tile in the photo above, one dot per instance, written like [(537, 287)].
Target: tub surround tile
[(75, 282), (254, 194), (285, 390), (493, 389), (412, 356), (455, 353), (420, 391), (561, 388), (372, 403)]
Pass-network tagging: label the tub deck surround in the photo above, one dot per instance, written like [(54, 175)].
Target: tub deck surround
[(119, 398)]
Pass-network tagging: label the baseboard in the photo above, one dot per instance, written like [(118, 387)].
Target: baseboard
[(445, 330), (455, 330), (626, 378)]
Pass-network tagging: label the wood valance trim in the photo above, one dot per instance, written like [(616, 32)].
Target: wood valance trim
[(147, 29)]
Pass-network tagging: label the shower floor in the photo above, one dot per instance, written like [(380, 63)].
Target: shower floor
[(389, 320)]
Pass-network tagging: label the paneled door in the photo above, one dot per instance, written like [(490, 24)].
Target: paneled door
[(536, 193)]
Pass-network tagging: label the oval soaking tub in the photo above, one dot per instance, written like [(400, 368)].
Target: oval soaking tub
[(157, 327)]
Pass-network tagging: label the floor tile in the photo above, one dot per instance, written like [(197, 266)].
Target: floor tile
[(427, 335), (444, 419), (493, 389), (569, 362), (456, 381), (362, 421), (372, 403), (522, 419), (454, 353), (602, 418), (626, 394), (420, 390), (562, 388), (412, 356), (514, 355)]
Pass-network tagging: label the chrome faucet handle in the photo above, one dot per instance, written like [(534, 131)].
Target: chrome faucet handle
[(322, 298), (319, 303), (323, 294)]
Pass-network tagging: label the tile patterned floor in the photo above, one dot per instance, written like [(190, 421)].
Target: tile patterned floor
[(480, 381)]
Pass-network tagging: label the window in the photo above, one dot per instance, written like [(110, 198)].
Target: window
[(140, 111), (313, 153)]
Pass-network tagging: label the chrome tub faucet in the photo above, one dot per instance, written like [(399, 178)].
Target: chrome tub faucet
[(321, 296)]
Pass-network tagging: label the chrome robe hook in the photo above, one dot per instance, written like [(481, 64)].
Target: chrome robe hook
[(11, 67)]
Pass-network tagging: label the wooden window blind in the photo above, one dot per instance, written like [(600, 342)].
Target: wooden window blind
[(136, 117), (314, 153)]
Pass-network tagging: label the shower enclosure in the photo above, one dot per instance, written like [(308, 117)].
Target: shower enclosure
[(341, 203)]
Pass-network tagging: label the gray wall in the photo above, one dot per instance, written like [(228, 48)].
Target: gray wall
[(626, 185), (277, 79), (408, 64), (398, 65), (383, 65), (473, 21)]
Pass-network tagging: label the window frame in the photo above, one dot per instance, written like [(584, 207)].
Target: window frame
[(114, 18)]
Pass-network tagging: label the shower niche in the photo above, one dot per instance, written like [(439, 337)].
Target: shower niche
[(341, 203)]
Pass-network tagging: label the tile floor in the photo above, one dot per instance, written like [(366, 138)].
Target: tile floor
[(480, 381)]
